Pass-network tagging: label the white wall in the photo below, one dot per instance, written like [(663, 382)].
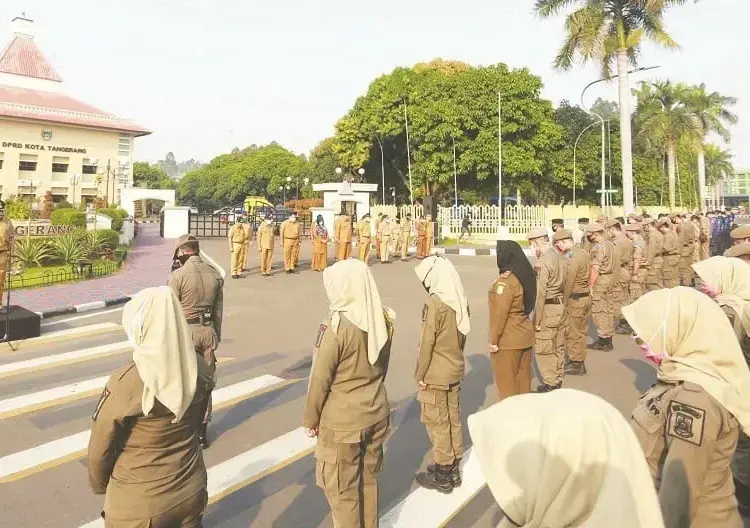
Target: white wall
[(176, 221)]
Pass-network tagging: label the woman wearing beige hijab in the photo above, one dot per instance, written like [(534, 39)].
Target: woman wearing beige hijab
[(566, 459), (727, 281), (144, 452), (347, 405), (689, 421), (440, 369)]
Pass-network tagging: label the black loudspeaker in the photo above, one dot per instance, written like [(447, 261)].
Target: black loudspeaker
[(430, 206), (21, 324)]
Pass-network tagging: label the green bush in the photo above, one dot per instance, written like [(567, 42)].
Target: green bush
[(68, 249), (117, 215), (68, 217), (109, 238), (17, 210), (64, 204), (31, 251)]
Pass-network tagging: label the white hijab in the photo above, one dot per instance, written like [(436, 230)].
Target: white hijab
[(567, 458), (163, 353), (352, 291), (730, 277), (440, 277)]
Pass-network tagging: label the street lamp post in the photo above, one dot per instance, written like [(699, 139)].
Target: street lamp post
[(361, 173), (73, 182), (393, 195), (382, 168), (499, 160), (455, 174), (281, 191), (575, 145), (408, 154)]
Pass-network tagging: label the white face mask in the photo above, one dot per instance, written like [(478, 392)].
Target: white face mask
[(268, 222), (293, 218)]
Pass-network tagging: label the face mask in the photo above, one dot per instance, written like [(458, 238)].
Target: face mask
[(645, 347), (293, 218), (268, 222), (708, 289), (183, 258)]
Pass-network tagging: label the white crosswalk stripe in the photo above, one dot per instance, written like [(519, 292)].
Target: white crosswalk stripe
[(58, 360), (47, 398)]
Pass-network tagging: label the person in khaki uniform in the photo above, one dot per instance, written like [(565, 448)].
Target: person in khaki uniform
[(405, 235), (698, 231), (266, 241), (421, 228), (604, 263), (740, 234), (336, 222), (688, 422), (578, 306), (585, 244), (237, 244), (245, 260), (7, 236), (289, 235), (740, 251), (511, 333), (200, 290), (364, 235), (347, 406), (639, 266), (670, 254), (654, 258), (344, 237), (549, 311), (142, 452), (440, 370), (429, 235), (320, 245), (384, 239), (620, 293), (395, 235), (378, 221), (686, 236)]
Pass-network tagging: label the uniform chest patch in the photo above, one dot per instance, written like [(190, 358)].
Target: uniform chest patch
[(321, 330), (686, 422), (425, 310), (100, 404)]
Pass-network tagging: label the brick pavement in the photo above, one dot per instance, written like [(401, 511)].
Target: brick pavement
[(148, 264)]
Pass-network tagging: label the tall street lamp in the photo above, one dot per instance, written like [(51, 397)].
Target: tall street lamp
[(281, 192), (455, 174), (382, 168), (408, 154), (73, 181), (361, 173), (575, 145)]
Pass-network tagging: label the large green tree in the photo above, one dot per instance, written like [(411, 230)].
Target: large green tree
[(611, 32), (151, 176)]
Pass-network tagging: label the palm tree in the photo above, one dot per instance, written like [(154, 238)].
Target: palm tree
[(718, 166), (712, 110), (611, 32), (665, 117)]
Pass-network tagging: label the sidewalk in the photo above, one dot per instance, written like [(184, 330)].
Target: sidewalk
[(148, 264)]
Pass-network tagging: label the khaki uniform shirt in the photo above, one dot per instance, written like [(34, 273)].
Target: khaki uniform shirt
[(421, 228), (671, 244), (577, 274), (344, 231), (7, 235), (289, 231), (686, 234), (265, 237), (655, 248), (605, 259), (345, 392), (405, 228), (336, 222), (199, 286), (248, 232), (739, 331), (705, 228), (624, 248), (145, 464), (363, 229), (639, 253), (441, 346), (689, 439), (236, 235), (510, 327), (384, 230), (550, 282)]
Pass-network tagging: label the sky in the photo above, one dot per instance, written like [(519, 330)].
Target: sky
[(209, 75)]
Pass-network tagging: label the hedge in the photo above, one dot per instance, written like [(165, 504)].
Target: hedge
[(109, 237), (68, 217), (117, 215)]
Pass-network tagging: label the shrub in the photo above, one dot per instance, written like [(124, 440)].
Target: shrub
[(117, 215), (108, 237), (68, 217), (31, 251), (64, 204), (17, 209), (68, 249)]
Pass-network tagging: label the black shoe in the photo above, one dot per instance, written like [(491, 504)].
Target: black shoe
[(203, 436), (441, 479), (455, 472), (576, 368), (547, 388), (623, 328), (235, 276), (603, 344)]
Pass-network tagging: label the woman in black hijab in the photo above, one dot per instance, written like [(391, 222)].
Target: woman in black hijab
[(511, 300)]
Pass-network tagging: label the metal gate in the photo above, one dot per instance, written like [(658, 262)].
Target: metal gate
[(208, 225)]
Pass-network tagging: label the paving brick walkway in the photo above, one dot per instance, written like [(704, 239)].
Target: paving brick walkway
[(148, 264)]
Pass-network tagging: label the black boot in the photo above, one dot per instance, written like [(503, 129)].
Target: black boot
[(203, 436), (548, 388), (455, 472), (441, 479), (742, 493), (623, 328), (576, 368), (604, 344)]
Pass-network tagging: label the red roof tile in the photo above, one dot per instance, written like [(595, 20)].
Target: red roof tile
[(23, 57), (23, 103)]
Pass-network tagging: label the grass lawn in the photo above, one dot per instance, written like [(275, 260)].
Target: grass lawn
[(57, 274)]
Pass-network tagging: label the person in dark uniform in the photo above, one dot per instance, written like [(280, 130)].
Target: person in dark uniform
[(200, 289), (143, 452)]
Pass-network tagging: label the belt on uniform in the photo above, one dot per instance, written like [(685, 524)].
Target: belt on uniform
[(195, 320), (685, 245), (291, 238), (555, 300), (669, 254), (578, 295)]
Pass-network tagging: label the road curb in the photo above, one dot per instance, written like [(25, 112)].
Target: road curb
[(462, 252), (85, 307)]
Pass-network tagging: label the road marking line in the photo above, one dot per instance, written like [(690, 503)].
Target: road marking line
[(56, 452), (79, 317), (430, 508), (251, 466), (67, 358), (64, 335), (35, 401)]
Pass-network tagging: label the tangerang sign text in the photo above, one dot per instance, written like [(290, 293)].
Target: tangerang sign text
[(42, 230), (47, 148)]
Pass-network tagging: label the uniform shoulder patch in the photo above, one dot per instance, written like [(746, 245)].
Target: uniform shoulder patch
[(425, 311), (499, 288), (686, 422), (100, 404), (321, 330)]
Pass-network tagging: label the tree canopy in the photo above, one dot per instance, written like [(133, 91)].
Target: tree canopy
[(151, 177)]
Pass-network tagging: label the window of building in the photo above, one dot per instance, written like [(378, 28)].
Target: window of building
[(125, 145), (1, 160), (27, 162), (60, 165), (89, 166)]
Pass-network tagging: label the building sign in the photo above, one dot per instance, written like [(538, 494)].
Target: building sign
[(45, 229), (49, 148), (47, 135)]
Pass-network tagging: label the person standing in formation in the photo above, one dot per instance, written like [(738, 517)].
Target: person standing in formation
[(344, 236), (639, 267), (686, 236), (200, 290), (688, 422), (671, 249), (289, 235), (405, 236), (347, 405), (429, 235), (624, 251), (654, 258), (440, 370), (378, 221), (364, 235), (142, 451), (237, 244), (578, 305), (585, 243), (740, 234), (698, 231), (604, 264), (740, 251), (548, 310), (245, 262), (320, 245), (511, 334), (7, 235), (336, 223), (421, 227), (395, 235), (384, 233), (266, 241)]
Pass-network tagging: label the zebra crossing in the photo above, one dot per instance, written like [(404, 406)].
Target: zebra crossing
[(64, 371)]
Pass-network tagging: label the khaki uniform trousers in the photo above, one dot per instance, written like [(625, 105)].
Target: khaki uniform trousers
[(336, 250), (364, 249), (620, 293), (243, 257), (377, 246), (428, 245), (421, 246), (671, 271), (346, 469), (577, 331), (549, 357), (654, 277), (345, 251), (686, 269), (705, 251), (266, 259), (602, 311), (741, 460), (385, 249), (187, 514), (4, 265), (636, 286), (512, 372), (291, 253), (441, 416), (206, 342), (237, 260), (404, 243)]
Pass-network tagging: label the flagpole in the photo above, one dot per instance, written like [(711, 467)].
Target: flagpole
[(500, 158), (408, 155)]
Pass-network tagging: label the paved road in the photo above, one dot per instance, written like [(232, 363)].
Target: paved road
[(260, 469)]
